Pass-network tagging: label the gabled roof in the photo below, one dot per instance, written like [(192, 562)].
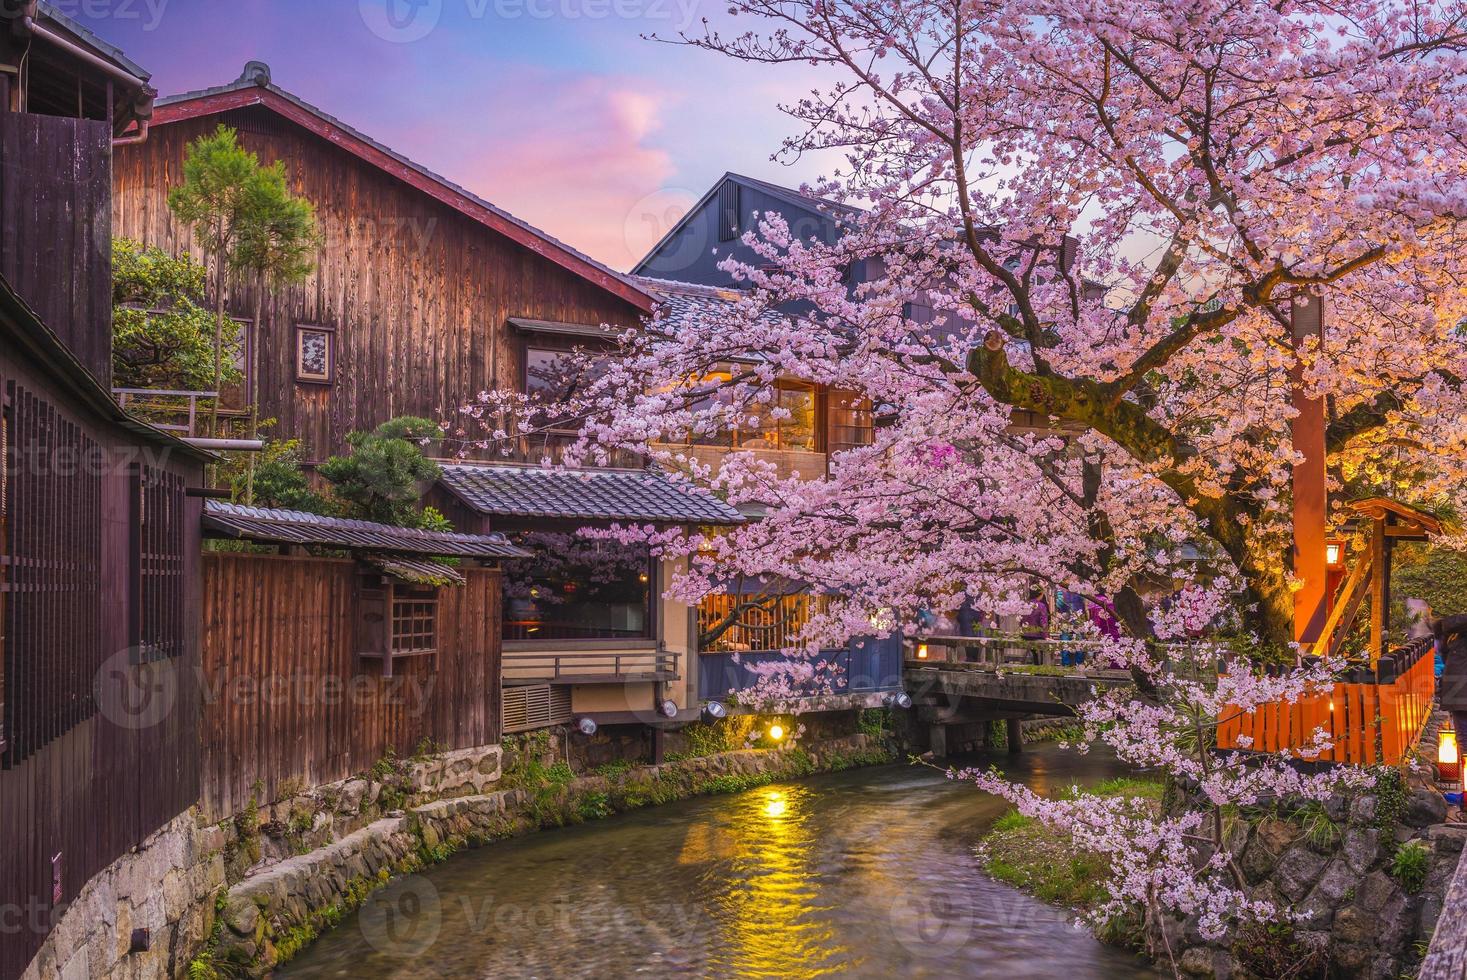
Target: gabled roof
[(254, 88), (278, 526), (588, 495), (805, 202)]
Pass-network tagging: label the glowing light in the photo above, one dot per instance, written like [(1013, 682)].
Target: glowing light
[(776, 732), (1448, 756), (776, 806), (921, 651)]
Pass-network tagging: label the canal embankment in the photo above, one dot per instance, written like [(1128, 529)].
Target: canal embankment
[(267, 917)]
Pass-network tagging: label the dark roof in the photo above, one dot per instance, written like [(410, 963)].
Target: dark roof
[(254, 87), (21, 327), (680, 303), (419, 571), (808, 202), (566, 329), (276, 526), (596, 495), (111, 52)]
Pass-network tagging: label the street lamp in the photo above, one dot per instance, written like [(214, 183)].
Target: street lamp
[(586, 726), (1448, 758)]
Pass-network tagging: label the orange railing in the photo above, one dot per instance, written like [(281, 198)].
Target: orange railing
[(1371, 717)]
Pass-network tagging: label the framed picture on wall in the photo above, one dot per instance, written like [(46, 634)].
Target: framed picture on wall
[(315, 353)]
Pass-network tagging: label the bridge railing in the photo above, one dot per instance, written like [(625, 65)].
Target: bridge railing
[(1371, 717), (999, 651)]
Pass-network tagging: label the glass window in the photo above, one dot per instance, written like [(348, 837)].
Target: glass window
[(575, 589), (560, 375), (850, 421), (795, 430)]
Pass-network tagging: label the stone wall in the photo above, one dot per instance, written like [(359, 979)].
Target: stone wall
[(167, 886), (1364, 911), (242, 895)]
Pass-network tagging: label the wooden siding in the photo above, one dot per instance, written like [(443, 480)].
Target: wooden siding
[(111, 751), (418, 293), (287, 699), (55, 228)]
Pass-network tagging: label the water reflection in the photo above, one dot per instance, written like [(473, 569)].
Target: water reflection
[(869, 873)]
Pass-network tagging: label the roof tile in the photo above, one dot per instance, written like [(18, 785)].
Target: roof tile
[(597, 495), (275, 525)]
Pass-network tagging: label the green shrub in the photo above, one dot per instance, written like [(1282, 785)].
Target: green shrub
[(1410, 864)]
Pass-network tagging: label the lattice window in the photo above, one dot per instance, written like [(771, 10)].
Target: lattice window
[(50, 596), (415, 622), (774, 624), (158, 627)]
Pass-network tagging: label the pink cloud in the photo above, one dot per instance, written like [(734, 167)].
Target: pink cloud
[(574, 160)]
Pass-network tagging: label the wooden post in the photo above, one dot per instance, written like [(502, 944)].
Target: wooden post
[(1311, 503), (1380, 588)]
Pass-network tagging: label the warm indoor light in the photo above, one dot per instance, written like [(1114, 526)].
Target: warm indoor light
[(776, 732), (921, 651), (1448, 760), (1334, 553)]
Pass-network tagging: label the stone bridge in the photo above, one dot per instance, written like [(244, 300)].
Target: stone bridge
[(957, 701)]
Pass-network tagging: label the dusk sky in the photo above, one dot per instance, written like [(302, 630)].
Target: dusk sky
[(556, 110)]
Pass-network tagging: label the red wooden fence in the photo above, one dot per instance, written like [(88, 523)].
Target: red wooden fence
[(1371, 718)]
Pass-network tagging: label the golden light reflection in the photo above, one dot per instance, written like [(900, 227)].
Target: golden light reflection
[(769, 921)]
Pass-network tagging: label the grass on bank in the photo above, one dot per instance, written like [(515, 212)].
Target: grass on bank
[(1023, 852)]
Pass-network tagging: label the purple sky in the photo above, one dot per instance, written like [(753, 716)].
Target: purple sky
[(556, 110)]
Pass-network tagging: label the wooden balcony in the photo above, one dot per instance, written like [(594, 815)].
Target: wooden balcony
[(184, 413), (599, 662)]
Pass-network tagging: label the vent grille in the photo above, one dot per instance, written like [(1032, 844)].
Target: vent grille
[(730, 208), (536, 706)]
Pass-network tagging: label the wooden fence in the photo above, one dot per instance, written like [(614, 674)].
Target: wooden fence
[(287, 701), (1371, 717)]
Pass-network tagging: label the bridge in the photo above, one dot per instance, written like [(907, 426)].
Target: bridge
[(959, 685)]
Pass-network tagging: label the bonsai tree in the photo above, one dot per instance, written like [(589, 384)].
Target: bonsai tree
[(384, 475), (162, 334)]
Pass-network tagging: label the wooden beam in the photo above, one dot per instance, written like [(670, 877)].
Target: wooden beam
[(1379, 590)]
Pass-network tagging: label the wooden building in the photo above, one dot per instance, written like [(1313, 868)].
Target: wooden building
[(353, 642), (99, 535), (409, 310)]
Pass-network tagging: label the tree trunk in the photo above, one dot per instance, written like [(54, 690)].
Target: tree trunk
[(218, 343), (251, 385)]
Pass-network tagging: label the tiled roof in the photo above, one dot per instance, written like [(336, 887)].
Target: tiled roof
[(597, 495), (256, 76), (269, 524), (681, 303), (419, 571)]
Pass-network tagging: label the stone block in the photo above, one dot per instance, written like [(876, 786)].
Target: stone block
[(1424, 807), (1297, 871)]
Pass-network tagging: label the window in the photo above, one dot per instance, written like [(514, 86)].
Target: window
[(575, 589), (773, 624), (158, 604), (560, 375), (793, 428), (414, 621), (315, 354), (850, 421), (730, 210), (50, 594)]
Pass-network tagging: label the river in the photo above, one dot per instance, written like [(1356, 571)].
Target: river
[(869, 873)]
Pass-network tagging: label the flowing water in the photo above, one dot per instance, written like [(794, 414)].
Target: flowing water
[(868, 873)]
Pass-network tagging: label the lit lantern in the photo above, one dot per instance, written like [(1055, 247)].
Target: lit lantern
[(1448, 759), (1334, 553), (921, 651), (776, 732)]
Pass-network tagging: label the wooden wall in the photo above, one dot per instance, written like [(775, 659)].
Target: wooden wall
[(55, 228), (287, 700), (418, 293), (107, 747)]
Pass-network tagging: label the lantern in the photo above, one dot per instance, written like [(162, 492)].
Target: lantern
[(1448, 759), (1334, 554), (921, 651)]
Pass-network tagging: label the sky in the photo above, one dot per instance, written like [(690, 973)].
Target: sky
[(558, 111)]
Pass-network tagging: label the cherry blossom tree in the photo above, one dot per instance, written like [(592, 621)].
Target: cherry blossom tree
[(1080, 230)]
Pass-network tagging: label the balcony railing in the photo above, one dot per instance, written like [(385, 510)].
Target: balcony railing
[(590, 666), (183, 412)]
